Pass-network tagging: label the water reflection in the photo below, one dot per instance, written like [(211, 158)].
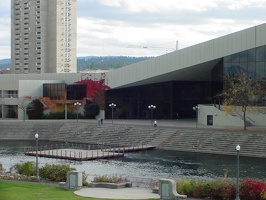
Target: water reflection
[(148, 164)]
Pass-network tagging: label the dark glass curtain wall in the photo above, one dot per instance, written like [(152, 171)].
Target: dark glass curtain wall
[(251, 61), (169, 98)]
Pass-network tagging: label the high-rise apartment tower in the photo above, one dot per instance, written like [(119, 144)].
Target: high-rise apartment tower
[(43, 36)]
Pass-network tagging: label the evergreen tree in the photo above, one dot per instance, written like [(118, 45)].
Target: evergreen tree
[(91, 109)]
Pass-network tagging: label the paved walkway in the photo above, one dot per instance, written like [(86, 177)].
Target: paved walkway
[(124, 193), (180, 123)]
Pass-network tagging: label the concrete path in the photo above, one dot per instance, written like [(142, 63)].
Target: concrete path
[(124, 193)]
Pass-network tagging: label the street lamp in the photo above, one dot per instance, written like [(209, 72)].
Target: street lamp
[(196, 108), (237, 172), (151, 107), (37, 168), (77, 104), (112, 105)]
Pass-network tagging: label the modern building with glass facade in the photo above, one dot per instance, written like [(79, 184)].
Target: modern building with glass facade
[(43, 36), (175, 82)]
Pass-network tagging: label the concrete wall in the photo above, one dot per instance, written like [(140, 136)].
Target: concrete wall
[(32, 85), (254, 116)]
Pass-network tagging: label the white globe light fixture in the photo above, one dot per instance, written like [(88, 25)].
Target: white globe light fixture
[(112, 105)]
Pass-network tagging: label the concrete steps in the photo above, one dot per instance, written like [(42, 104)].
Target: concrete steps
[(218, 142), (27, 130), (168, 138)]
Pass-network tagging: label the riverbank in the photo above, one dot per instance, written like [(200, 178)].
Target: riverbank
[(177, 135)]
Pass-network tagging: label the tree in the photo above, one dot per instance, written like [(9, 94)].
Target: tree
[(241, 90), (91, 109), (35, 109), (23, 103)]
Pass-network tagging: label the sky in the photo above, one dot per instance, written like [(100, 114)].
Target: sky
[(149, 27)]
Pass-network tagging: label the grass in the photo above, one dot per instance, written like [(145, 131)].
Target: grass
[(33, 191), (10, 190)]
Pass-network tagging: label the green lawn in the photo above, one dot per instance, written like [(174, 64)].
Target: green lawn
[(35, 191)]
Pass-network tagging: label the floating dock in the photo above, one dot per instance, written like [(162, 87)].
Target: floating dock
[(83, 155)]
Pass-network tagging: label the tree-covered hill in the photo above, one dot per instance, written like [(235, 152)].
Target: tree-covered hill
[(106, 62), (94, 62)]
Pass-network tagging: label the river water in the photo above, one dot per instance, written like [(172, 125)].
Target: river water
[(151, 164)]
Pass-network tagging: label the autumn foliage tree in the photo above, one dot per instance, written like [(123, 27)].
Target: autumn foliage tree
[(35, 109), (241, 90)]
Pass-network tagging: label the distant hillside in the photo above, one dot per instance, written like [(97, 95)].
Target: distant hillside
[(5, 63), (94, 62), (106, 62)]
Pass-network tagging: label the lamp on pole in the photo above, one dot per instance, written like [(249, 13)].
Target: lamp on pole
[(196, 108), (237, 172), (37, 167), (151, 107), (112, 105), (77, 104)]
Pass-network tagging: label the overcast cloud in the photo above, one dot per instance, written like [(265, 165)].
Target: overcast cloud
[(124, 27)]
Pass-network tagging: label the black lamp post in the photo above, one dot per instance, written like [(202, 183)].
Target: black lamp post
[(77, 104), (237, 172), (37, 167), (151, 107), (112, 105)]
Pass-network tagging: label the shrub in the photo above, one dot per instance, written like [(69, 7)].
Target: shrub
[(186, 187), (198, 189), (57, 115), (84, 179), (228, 190), (251, 189), (263, 195), (263, 192), (108, 179), (55, 172), (207, 189), (27, 168)]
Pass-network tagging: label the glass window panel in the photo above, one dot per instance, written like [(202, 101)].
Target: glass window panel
[(244, 66), (260, 70), (243, 56), (251, 55), (235, 68), (235, 58), (252, 69), (264, 53), (226, 68), (260, 53), (227, 59)]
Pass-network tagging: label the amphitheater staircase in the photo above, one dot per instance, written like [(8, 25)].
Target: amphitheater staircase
[(217, 142), (197, 140)]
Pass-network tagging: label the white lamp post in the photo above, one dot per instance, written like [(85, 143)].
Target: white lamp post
[(77, 104), (152, 107), (196, 108), (112, 105), (237, 172), (37, 167)]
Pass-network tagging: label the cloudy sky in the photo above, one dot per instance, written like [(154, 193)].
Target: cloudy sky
[(125, 27)]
